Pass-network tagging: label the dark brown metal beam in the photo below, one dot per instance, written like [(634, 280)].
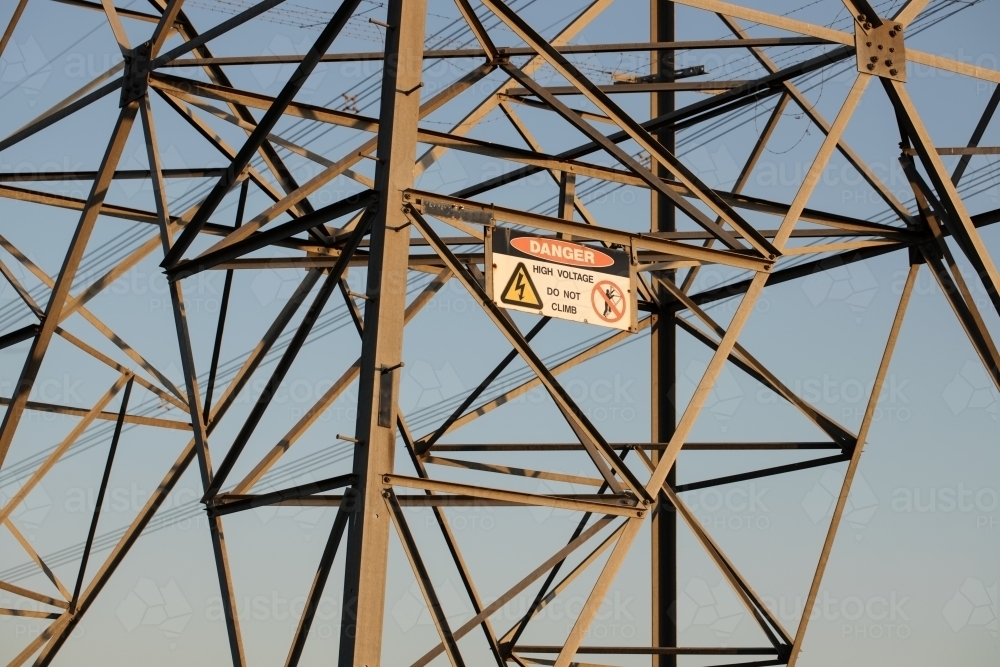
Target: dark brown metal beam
[(264, 127)]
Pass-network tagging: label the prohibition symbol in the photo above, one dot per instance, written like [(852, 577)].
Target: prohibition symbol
[(608, 301)]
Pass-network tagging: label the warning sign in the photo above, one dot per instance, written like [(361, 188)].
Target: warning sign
[(520, 291), (571, 281)]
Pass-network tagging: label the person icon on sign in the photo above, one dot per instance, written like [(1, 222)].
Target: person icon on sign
[(613, 297), (608, 301)]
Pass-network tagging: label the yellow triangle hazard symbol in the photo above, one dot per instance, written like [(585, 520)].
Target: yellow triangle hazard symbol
[(520, 291)]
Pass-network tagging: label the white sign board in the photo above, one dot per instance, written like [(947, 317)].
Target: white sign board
[(572, 281)]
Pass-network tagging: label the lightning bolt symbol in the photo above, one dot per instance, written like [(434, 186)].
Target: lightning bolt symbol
[(519, 286)]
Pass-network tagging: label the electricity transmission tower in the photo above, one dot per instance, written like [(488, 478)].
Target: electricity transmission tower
[(401, 235)]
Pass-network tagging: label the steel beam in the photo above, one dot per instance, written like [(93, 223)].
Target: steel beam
[(691, 114), (198, 423), (663, 353), (287, 359), (57, 300), (517, 588), (958, 221), (852, 466), (423, 579), (402, 239), (382, 345), (242, 159), (100, 496), (590, 437), (319, 581), (452, 543), (977, 136)]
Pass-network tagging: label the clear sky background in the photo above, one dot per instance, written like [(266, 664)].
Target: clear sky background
[(913, 577)]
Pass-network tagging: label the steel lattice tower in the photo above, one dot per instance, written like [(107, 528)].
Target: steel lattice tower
[(397, 232)]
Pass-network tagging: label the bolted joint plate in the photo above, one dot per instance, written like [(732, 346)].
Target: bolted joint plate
[(451, 212), (881, 50), (136, 75)]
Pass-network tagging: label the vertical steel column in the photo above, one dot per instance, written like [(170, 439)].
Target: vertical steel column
[(382, 345), (663, 357)]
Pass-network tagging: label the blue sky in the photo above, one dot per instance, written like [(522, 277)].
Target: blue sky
[(914, 567)]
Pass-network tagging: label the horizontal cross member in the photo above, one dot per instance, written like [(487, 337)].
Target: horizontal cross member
[(509, 52)]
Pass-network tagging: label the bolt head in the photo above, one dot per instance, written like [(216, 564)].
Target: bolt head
[(862, 18), (870, 67), (899, 28), (868, 26), (894, 72), (892, 33)]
